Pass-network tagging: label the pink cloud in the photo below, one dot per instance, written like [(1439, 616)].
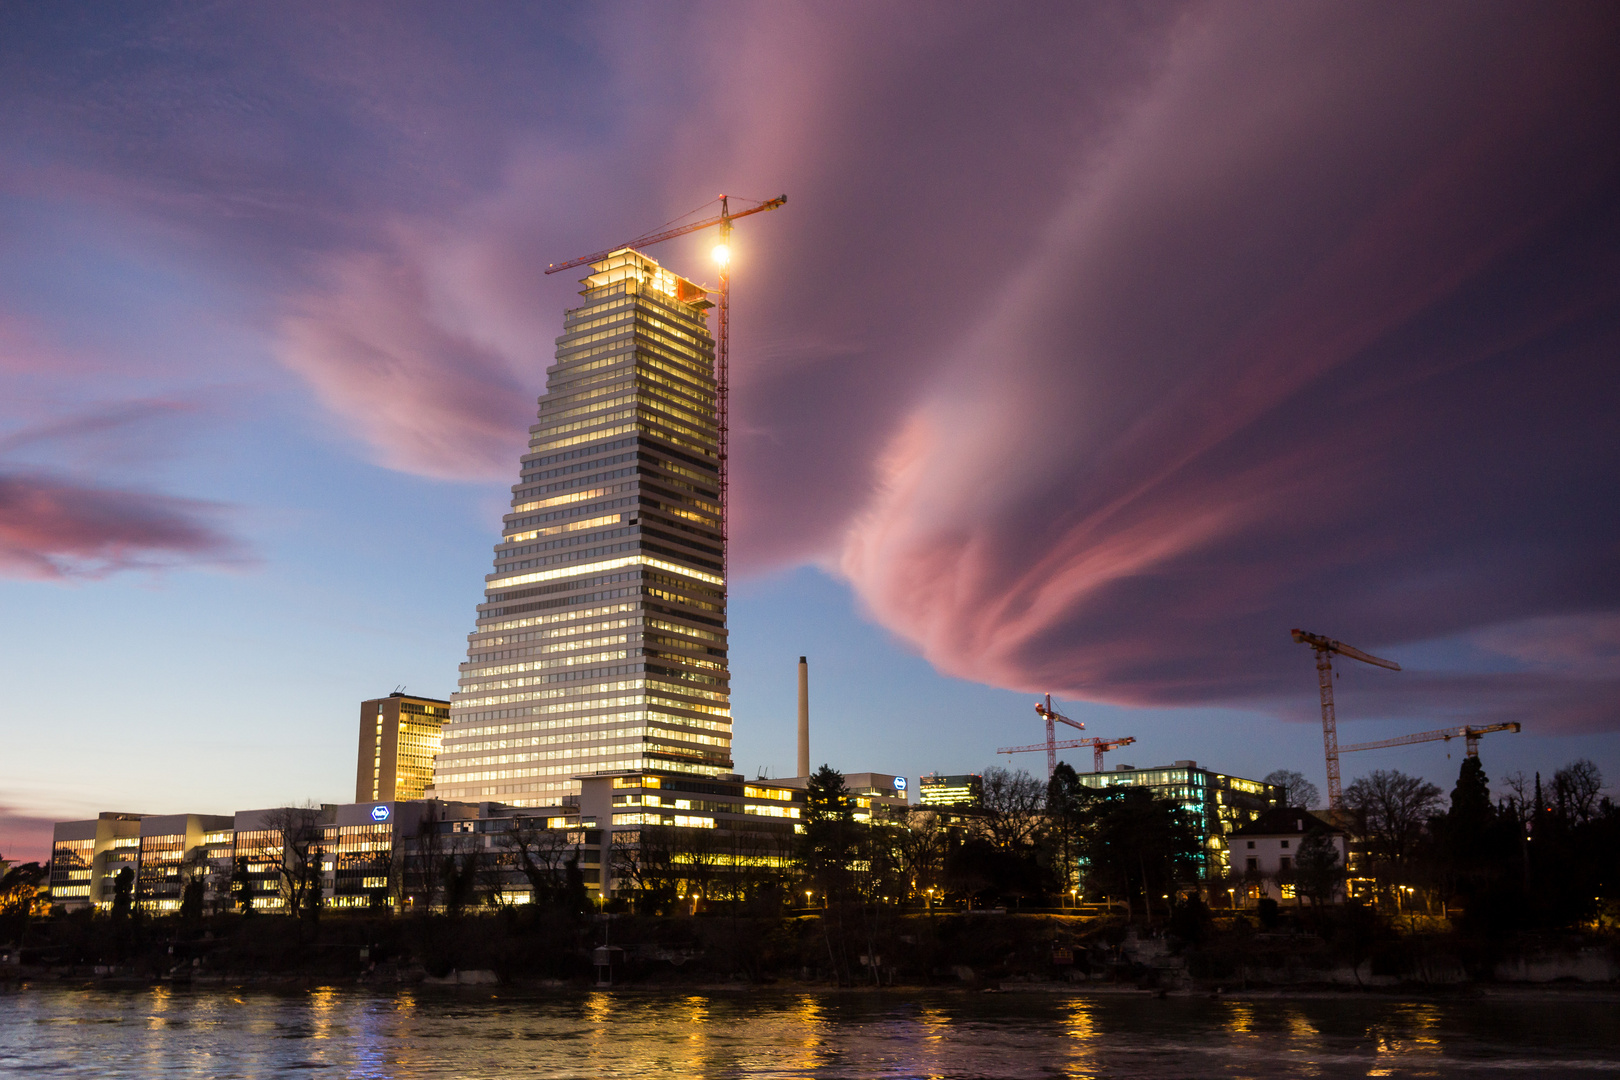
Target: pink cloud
[(1261, 370), (55, 529), (1096, 346), (426, 396), (24, 837)]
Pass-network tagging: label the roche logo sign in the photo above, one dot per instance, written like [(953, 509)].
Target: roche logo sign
[(379, 813), (899, 783)]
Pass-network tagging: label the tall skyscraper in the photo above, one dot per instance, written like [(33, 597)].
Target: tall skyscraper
[(601, 642), (399, 738)]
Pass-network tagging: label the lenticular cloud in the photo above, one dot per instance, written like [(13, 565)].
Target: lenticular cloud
[(1305, 346)]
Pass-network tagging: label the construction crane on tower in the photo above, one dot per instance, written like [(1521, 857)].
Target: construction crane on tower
[(1466, 732), (1325, 648), (722, 336)]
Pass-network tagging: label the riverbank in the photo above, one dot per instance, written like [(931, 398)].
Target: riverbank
[(971, 952)]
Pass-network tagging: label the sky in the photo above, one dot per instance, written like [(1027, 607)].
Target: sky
[(1096, 347)]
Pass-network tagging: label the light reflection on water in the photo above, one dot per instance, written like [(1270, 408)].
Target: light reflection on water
[(333, 1032)]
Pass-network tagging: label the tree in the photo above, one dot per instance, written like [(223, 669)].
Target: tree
[(1521, 804), (19, 896), (1317, 869), (645, 859), (540, 854), (1391, 810), (123, 894), (463, 873), (921, 846), (827, 845), (1575, 791), (1138, 843), (242, 883), (294, 845), (191, 899), (1012, 809), (19, 885), (1068, 804), (1297, 791)]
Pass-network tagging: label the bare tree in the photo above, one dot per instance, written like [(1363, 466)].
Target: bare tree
[(539, 853), (465, 881), (646, 860), (1013, 810), (294, 845), (422, 868), (698, 859), (1297, 791), (1575, 791), (921, 848), (1521, 805), (1391, 810)]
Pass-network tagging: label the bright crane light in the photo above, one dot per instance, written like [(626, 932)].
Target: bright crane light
[(722, 254)]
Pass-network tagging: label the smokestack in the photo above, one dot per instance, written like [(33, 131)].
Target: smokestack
[(804, 717)]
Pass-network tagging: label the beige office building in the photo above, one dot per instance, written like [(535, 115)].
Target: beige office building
[(399, 738), (600, 644)]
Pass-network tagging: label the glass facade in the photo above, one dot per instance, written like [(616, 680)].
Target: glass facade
[(260, 854), (600, 644), (935, 790), (400, 736), (72, 864), (362, 864), (159, 872), (421, 726), (1218, 803)]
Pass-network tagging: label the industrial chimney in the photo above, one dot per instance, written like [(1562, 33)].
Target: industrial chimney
[(804, 717)]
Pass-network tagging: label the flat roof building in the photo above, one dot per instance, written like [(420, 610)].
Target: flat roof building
[(873, 794), (936, 792), (600, 644), (174, 847), (400, 736), (1217, 802), (87, 855)]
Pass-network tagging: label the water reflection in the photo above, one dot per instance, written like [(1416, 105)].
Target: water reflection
[(1081, 1026), (344, 1032)]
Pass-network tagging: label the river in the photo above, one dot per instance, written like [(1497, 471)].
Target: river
[(50, 1031)]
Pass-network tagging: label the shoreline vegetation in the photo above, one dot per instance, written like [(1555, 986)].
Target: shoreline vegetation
[(1345, 951)]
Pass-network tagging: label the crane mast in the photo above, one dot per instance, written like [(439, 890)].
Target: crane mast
[(1049, 714), (1325, 648), (722, 339)]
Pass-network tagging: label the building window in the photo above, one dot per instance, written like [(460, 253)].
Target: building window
[(1285, 845), (1254, 864), (1251, 845), (1282, 864)]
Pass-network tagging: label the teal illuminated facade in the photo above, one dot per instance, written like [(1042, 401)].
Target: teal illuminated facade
[(1218, 803)]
